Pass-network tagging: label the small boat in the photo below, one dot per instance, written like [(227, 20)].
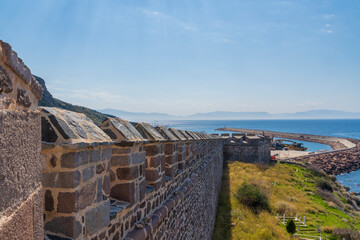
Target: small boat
[(285, 144)]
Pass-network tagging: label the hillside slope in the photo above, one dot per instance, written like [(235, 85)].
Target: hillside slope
[(49, 101)]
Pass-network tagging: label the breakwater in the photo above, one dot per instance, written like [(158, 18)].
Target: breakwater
[(344, 158)]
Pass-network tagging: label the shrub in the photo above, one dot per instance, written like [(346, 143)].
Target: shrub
[(328, 196), (346, 233), (324, 184), (291, 227), (316, 171), (284, 208), (253, 197)]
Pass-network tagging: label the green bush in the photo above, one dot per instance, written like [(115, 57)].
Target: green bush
[(316, 171), (253, 197), (291, 227), (323, 184)]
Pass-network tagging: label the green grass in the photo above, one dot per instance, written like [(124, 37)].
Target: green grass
[(295, 190)]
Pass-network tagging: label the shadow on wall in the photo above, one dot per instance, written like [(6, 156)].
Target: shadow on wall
[(222, 229)]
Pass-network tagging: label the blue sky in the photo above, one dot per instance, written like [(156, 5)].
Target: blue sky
[(183, 57)]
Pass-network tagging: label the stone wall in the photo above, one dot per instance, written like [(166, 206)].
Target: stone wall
[(133, 182), (20, 144), (250, 149), (76, 180)]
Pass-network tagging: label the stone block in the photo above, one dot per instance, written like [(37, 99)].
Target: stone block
[(61, 179), (137, 158), (100, 168), (106, 154), (62, 127), (48, 134), (49, 201), (124, 192), (153, 149), (74, 159), (169, 148), (106, 185), (6, 85), (97, 218), (66, 202), (67, 226), (170, 160), (142, 190), (99, 194), (127, 173), (86, 195), (122, 160), (152, 175), (87, 173), (121, 150), (95, 155)]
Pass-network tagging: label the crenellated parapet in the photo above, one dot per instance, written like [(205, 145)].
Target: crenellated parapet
[(249, 148), (75, 175)]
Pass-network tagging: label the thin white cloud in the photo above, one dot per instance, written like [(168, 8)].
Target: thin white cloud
[(328, 16), (168, 20), (87, 94)]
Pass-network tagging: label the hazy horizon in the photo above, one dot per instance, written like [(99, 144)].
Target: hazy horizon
[(187, 57)]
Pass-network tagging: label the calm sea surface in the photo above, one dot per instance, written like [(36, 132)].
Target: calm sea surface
[(336, 128)]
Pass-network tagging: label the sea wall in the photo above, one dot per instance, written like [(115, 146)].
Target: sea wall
[(20, 144)]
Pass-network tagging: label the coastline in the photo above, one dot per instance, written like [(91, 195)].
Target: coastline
[(343, 159)]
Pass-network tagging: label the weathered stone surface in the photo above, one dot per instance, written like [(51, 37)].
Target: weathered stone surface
[(36, 88), (86, 195), (95, 155), (100, 168), (74, 126), (23, 98), (127, 173), (99, 195), (121, 130), (148, 132), (48, 134), (106, 154), (66, 202), (88, 173), (64, 225), (124, 192), (106, 185), (177, 134), (6, 85), (152, 174), (187, 136), (15, 63), (166, 133), (74, 159), (49, 201), (122, 160), (61, 179), (62, 127), (97, 218)]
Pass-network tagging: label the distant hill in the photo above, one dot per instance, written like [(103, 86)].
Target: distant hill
[(320, 114), (223, 115), (49, 101)]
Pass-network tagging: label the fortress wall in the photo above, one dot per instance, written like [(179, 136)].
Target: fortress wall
[(168, 168), (188, 208), (251, 149), (20, 144)]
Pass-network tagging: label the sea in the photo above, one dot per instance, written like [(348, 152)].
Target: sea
[(347, 128)]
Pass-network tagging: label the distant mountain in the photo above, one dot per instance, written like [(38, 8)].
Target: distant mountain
[(223, 115), (49, 101), (320, 114)]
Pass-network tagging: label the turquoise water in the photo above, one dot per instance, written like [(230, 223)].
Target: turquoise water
[(336, 128)]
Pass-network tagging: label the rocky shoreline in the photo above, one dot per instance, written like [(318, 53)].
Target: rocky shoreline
[(344, 158)]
